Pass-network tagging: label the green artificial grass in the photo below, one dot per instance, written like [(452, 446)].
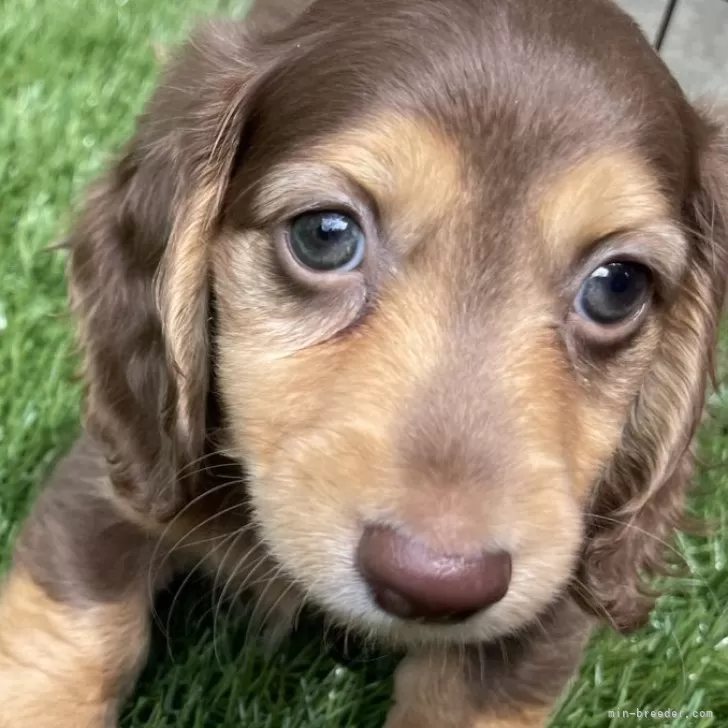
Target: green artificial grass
[(73, 74)]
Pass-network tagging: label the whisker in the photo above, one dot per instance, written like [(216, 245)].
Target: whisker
[(161, 539), (221, 598), (276, 634), (181, 539), (177, 593), (247, 585), (589, 594)]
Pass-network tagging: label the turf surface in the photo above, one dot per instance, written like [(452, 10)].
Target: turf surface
[(73, 73)]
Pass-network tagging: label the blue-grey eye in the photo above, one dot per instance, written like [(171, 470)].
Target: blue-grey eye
[(614, 292), (327, 241)]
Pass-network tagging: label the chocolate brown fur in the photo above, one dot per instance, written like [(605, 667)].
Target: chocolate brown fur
[(445, 388)]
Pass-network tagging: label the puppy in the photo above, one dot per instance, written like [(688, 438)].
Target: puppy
[(412, 304)]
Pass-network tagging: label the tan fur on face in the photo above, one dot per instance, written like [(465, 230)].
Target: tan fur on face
[(414, 171), (405, 163), (321, 419), (316, 426), (397, 353), (608, 192), (63, 666), (319, 427)]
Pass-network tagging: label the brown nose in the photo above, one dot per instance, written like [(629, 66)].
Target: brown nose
[(410, 581)]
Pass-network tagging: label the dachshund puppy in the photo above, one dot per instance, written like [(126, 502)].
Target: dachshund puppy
[(415, 299)]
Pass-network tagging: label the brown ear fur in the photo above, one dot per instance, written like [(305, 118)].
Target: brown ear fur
[(641, 498), (138, 271)]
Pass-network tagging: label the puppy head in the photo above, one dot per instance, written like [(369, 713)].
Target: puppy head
[(465, 287)]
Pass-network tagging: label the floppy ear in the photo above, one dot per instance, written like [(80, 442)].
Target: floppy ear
[(640, 500), (138, 271)]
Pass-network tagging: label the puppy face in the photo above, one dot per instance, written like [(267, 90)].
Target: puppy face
[(449, 385), (463, 372), (465, 289)]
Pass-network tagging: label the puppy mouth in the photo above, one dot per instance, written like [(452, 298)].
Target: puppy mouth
[(472, 603), (401, 577)]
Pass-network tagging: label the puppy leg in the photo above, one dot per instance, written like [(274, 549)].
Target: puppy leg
[(74, 610), (62, 665), (432, 691), (513, 684)]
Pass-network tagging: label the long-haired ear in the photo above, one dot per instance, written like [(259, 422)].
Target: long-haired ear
[(138, 272), (640, 500)]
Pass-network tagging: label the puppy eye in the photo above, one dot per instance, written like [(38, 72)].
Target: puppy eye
[(327, 241), (613, 293)]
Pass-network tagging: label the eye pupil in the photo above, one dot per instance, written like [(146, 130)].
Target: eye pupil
[(614, 292), (620, 282), (327, 241)]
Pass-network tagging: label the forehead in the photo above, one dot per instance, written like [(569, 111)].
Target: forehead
[(499, 123), (471, 111), (423, 185), (522, 79)]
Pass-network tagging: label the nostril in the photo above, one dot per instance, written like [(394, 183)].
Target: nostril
[(411, 581)]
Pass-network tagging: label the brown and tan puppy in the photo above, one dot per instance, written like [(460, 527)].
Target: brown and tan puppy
[(415, 299)]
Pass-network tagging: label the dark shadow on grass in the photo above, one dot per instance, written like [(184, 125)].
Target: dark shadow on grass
[(207, 675)]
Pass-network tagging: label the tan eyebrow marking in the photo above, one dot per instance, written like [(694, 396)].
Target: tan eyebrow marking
[(411, 170), (603, 194)]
